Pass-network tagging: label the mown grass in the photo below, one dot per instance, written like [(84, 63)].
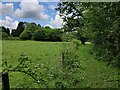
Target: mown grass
[(93, 73)]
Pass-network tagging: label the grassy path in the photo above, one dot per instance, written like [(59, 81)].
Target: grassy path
[(96, 74)]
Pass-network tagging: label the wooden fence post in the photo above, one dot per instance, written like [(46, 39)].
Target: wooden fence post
[(5, 81), (62, 62)]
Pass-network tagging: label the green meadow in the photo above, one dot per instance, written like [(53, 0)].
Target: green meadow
[(92, 73)]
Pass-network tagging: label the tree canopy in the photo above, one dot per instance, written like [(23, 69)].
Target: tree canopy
[(100, 21)]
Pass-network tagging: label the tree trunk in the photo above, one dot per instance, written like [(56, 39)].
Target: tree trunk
[(82, 42), (62, 62), (5, 81)]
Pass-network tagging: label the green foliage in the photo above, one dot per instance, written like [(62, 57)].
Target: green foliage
[(98, 22), (32, 27), (25, 35), (73, 18), (55, 35), (5, 35), (70, 61), (68, 36), (42, 75), (39, 35), (19, 30), (14, 38), (29, 31), (106, 38), (76, 42), (45, 63), (47, 34)]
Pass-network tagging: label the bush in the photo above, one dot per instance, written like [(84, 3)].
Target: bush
[(5, 35), (55, 35), (39, 35), (25, 35), (67, 37), (14, 38), (76, 42)]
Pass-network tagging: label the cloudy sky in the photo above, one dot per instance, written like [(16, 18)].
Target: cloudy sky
[(42, 13)]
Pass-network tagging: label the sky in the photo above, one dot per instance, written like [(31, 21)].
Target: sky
[(42, 13)]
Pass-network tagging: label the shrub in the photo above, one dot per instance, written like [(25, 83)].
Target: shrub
[(67, 37), (55, 35), (14, 38), (5, 35), (76, 42), (25, 35), (39, 35)]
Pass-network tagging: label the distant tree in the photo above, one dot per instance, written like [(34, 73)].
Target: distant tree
[(39, 25), (39, 35), (19, 30), (47, 27), (25, 35), (8, 31), (3, 29), (5, 35), (13, 32), (56, 35), (5, 32), (68, 36), (29, 31)]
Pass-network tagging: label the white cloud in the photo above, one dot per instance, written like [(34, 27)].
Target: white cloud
[(57, 21), (6, 9), (9, 23), (51, 7), (31, 9)]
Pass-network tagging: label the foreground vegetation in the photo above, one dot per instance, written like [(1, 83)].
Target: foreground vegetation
[(91, 73), (59, 64)]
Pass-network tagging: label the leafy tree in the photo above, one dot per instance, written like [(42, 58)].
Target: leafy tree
[(39, 35), (106, 35), (47, 27), (72, 17), (25, 35), (5, 35), (56, 35), (5, 32), (8, 31), (19, 30), (47, 34), (69, 36), (29, 31), (101, 20)]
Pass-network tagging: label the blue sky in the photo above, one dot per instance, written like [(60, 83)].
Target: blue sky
[(42, 13)]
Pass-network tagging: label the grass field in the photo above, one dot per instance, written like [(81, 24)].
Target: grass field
[(93, 73)]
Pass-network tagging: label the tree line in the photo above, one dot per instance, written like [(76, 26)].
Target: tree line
[(32, 31), (98, 21)]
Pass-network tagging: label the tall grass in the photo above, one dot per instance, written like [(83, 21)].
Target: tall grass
[(45, 60)]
